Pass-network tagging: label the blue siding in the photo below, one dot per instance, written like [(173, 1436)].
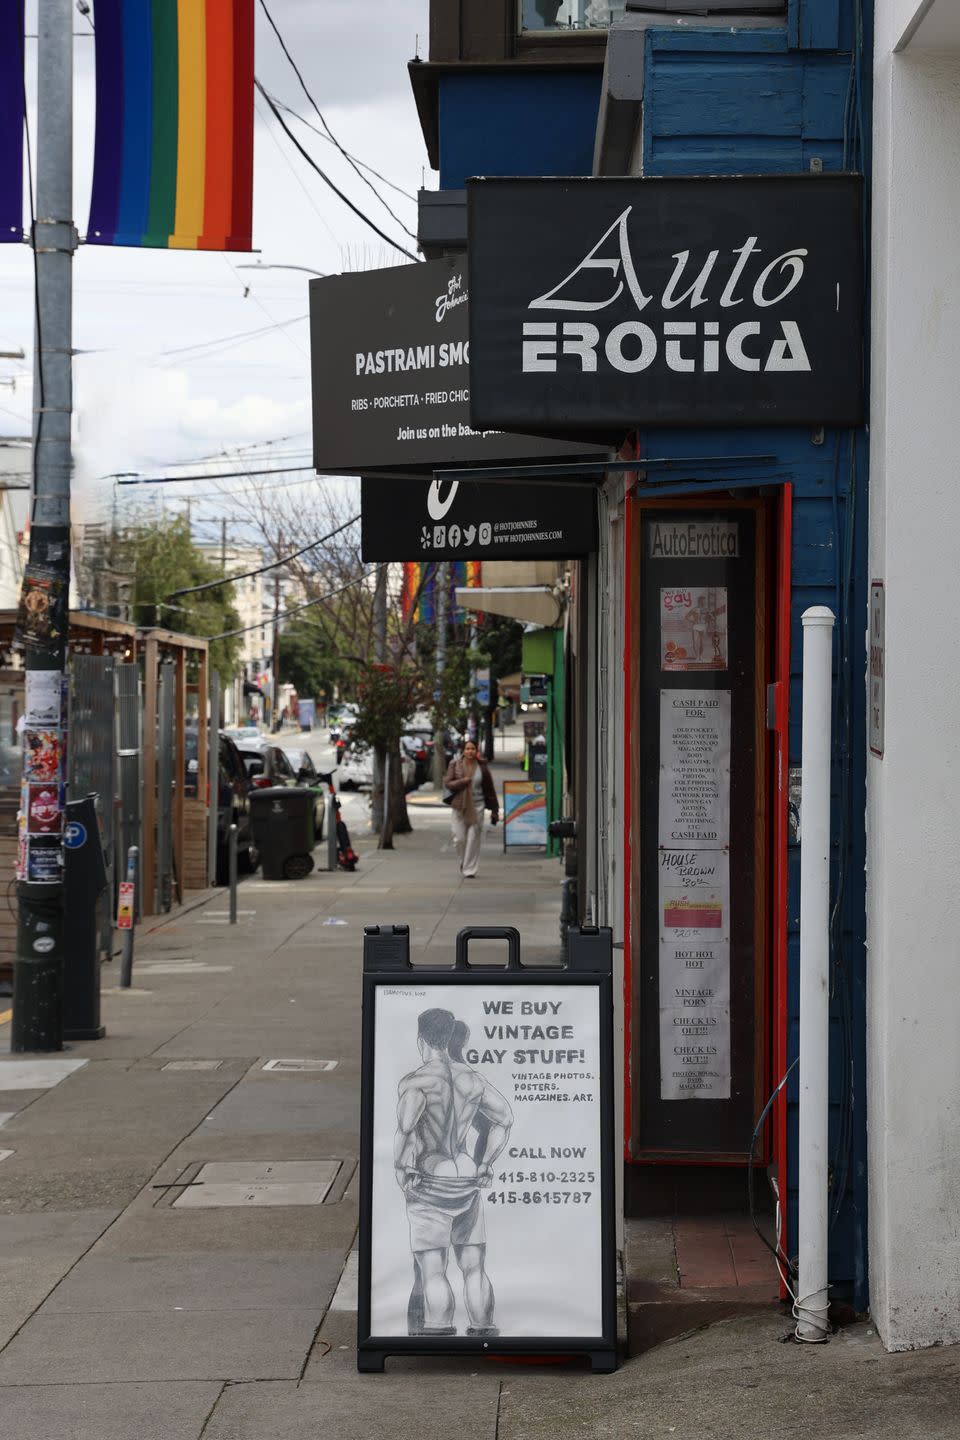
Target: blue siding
[(716, 102), (517, 123)]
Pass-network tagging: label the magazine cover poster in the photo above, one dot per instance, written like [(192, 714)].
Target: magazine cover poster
[(486, 1184), (693, 628)]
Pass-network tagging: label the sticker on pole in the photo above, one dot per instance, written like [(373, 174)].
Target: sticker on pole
[(125, 905)]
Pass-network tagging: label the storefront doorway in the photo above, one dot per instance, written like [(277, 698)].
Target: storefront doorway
[(707, 650)]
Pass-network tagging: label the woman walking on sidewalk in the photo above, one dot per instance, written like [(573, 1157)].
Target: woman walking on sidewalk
[(469, 778)]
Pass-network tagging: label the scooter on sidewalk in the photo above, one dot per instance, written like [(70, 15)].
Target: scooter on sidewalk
[(347, 857)]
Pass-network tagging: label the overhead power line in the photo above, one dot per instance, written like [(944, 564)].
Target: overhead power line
[(326, 179), (319, 114), (229, 339), (295, 609), (288, 110), (121, 477), (262, 569)]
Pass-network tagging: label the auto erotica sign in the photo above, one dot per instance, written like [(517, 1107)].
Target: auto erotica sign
[(607, 304), (467, 520), (390, 364)]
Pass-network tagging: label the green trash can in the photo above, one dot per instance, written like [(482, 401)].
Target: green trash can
[(282, 819)]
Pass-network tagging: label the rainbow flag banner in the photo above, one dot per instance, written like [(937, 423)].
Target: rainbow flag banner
[(173, 159), (11, 120)]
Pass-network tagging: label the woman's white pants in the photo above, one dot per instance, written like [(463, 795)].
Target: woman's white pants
[(466, 839)]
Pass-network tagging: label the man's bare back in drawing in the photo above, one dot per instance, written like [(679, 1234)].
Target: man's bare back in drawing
[(451, 1126)]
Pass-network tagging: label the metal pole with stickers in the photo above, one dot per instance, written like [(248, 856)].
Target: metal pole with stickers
[(487, 1219)]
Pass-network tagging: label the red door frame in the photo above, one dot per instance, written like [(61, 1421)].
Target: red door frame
[(783, 529)]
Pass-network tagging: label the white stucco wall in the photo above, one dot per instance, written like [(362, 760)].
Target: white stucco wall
[(913, 793)]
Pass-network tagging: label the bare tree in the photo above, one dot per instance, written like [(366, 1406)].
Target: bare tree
[(338, 597)]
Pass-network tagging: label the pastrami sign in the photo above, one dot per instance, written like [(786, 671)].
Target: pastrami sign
[(600, 305)]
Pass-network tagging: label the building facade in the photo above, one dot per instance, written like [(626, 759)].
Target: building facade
[(779, 90)]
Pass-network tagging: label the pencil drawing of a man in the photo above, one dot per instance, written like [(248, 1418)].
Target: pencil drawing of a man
[(451, 1126)]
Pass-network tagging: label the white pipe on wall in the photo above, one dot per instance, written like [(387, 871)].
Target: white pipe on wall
[(812, 1294)]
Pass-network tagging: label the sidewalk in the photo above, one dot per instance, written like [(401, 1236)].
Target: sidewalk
[(129, 1309)]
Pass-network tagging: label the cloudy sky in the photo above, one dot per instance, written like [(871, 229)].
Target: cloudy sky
[(170, 376)]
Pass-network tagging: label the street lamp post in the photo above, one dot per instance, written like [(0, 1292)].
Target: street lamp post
[(264, 265)]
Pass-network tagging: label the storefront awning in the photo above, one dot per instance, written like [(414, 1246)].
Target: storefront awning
[(537, 603)]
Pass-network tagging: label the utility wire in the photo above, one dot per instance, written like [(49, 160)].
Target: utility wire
[(202, 479), (295, 609), (240, 335), (319, 114), (326, 178), (331, 141), (262, 569)]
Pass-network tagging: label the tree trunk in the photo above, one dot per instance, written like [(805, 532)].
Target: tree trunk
[(398, 821), (376, 795)]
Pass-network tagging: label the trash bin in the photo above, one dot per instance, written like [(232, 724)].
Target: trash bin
[(282, 818)]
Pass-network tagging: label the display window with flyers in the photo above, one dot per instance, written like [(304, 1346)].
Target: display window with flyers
[(704, 971)]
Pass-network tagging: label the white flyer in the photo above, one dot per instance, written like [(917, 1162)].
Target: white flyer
[(694, 768), (42, 698), (695, 1020), (486, 1172)]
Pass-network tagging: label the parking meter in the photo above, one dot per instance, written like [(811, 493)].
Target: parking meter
[(84, 879)]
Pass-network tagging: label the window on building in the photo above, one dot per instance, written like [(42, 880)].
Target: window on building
[(569, 14)]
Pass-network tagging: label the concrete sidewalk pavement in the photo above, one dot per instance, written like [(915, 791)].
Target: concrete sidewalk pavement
[(131, 1308)]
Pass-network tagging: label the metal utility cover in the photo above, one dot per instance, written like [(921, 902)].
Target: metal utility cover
[(288, 1066), (259, 1183), (192, 1065)]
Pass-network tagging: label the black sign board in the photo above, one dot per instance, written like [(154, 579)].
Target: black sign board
[(600, 305), (390, 364), (487, 1207), (467, 520)]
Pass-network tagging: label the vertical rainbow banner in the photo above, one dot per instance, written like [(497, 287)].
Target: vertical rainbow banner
[(173, 158), (11, 120)]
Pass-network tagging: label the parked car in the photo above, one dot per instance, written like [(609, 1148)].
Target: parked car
[(306, 774), (233, 808), (356, 768), (266, 765), (246, 734)]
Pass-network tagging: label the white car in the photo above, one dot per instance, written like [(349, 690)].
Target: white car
[(356, 769)]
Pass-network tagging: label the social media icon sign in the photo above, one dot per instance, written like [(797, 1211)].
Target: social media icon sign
[(439, 536), (486, 534)]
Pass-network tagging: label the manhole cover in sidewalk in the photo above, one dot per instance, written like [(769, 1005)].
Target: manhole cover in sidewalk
[(264, 1182), (192, 1065), (288, 1066)]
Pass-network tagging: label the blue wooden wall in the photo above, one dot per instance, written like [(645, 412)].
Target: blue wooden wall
[(753, 103), (517, 123)]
